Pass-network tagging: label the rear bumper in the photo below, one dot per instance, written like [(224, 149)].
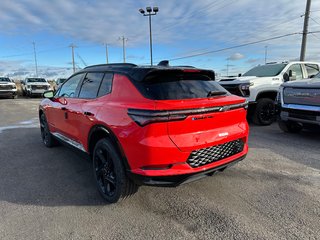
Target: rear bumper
[(300, 113), (176, 180)]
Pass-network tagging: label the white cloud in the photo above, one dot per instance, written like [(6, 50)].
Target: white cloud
[(180, 26), (236, 56)]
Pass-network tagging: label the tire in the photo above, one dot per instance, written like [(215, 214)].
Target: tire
[(264, 113), (290, 127), (109, 174), (47, 138)]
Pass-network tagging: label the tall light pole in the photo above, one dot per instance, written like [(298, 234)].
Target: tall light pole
[(305, 31), (35, 58), (150, 12)]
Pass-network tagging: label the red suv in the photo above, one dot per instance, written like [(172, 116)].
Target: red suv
[(146, 125)]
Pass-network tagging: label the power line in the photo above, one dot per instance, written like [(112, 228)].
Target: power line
[(237, 46), (314, 20), (315, 36)]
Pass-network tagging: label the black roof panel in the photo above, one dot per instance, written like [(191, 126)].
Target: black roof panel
[(138, 73)]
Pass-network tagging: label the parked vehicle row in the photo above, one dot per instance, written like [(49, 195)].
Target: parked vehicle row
[(261, 84), (30, 87)]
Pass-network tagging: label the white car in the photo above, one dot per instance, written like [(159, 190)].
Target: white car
[(7, 87), (260, 86), (35, 86)]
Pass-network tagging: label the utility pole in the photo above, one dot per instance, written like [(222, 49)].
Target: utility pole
[(124, 47), (228, 67), (35, 57), (265, 54), (107, 58), (305, 31), (73, 63)]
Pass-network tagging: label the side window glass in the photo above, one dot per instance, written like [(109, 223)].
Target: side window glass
[(68, 89), (90, 85), (106, 84), (312, 69), (296, 69)]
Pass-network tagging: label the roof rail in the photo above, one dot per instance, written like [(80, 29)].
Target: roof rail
[(113, 65)]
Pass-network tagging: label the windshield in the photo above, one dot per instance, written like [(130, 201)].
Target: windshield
[(31, 80), (266, 70), (3, 79)]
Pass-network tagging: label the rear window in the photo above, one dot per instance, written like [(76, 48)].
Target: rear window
[(168, 86)]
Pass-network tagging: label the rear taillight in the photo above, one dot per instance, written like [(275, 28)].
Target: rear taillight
[(145, 117)]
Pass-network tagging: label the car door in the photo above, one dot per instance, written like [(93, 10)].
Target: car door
[(86, 106), (64, 103)]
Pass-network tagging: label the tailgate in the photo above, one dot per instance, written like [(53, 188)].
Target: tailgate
[(209, 125)]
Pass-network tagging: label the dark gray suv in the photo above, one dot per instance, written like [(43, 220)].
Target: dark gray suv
[(299, 104)]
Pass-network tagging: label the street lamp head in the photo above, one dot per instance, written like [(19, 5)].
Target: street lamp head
[(155, 9), (148, 9), (141, 11)]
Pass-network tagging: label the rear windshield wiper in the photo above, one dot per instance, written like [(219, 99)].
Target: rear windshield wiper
[(216, 93)]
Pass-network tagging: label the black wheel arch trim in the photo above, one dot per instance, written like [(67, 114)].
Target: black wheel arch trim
[(265, 92), (113, 138)]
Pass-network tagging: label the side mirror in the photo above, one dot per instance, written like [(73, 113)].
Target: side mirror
[(48, 94), (239, 75), (286, 77)]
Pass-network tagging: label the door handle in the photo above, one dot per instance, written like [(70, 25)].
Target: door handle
[(64, 108), (88, 113)]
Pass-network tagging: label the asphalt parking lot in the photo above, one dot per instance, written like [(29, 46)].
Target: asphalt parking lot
[(50, 193)]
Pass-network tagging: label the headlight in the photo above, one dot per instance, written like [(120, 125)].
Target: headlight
[(245, 88), (28, 86), (279, 94)]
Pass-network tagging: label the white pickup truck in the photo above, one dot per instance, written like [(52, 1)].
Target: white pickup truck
[(260, 86), (7, 87), (34, 86)]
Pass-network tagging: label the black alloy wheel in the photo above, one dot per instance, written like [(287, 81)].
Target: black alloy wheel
[(104, 172), (109, 173), (46, 136), (265, 112)]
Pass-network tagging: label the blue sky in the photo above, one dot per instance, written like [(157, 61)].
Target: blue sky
[(180, 29)]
